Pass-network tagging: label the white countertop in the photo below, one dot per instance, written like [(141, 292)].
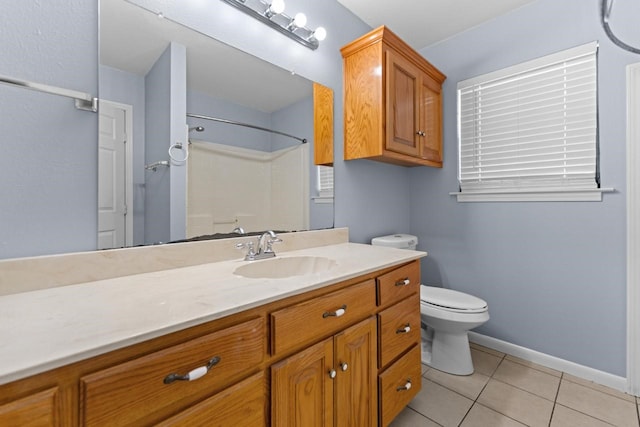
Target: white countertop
[(46, 329)]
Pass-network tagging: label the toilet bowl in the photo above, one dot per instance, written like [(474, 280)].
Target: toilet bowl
[(448, 316)]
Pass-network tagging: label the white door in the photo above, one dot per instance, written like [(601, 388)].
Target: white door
[(112, 208)]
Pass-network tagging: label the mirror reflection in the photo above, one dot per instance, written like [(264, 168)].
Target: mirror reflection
[(217, 177)]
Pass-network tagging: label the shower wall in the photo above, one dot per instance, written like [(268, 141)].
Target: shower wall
[(238, 187)]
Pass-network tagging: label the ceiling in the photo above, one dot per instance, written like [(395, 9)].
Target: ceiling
[(424, 22)]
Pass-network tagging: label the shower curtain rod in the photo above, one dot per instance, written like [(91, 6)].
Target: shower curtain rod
[(231, 122), (84, 101)]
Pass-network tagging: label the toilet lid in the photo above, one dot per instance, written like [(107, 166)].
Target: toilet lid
[(448, 298)]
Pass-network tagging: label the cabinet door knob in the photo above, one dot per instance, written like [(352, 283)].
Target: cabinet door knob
[(344, 366), (403, 282), (332, 373), (339, 312), (405, 330), (405, 387), (193, 374), (420, 133)]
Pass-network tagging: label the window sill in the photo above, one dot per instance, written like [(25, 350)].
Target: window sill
[(322, 199), (550, 195)]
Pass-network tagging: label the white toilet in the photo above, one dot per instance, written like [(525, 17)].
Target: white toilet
[(447, 316)]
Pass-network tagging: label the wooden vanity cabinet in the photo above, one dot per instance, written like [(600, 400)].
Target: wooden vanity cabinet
[(38, 409), (392, 102), (329, 357)]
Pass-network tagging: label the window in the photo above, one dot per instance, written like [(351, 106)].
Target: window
[(325, 185), (529, 132)]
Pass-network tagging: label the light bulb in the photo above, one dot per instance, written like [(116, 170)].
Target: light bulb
[(320, 34), (300, 20), (277, 6)]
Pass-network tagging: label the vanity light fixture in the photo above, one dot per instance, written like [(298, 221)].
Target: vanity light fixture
[(271, 12)]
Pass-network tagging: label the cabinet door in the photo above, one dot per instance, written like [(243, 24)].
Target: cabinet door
[(403, 89), (356, 386), (302, 388), (40, 409), (430, 120)]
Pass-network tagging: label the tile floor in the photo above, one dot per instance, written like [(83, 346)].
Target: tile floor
[(505, 391)]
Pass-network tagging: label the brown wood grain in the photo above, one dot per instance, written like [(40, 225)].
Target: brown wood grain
[(39, 409), (322, 125), (243, 404), (299, 325), (392, 399), (356, 387), (396, 318), (301, 388), (130, 392), (389, 288)]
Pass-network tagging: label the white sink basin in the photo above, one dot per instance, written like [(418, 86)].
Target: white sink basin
[(279, 268)]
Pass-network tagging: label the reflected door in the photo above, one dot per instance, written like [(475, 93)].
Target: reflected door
[(112, 208)]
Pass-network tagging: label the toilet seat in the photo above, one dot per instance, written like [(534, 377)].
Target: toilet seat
[(450, 300)]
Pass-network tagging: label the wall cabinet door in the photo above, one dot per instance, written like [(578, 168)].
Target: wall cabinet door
[(403, 105), (429, 130)]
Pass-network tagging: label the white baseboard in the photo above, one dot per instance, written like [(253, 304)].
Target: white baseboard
[(584, 372)]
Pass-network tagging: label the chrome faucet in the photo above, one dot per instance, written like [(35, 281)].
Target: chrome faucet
[(264, 248)]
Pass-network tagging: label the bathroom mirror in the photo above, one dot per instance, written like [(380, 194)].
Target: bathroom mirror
[(57, 170), (237, 176)]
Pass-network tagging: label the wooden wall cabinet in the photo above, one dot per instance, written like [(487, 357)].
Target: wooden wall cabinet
[(392, 102), (343, 355)]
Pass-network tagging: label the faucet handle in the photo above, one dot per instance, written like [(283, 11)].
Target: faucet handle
[(271, 242), (250, 246)]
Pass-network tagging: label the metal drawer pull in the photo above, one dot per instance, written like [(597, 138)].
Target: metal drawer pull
[(194, 374), (403, 282), (344, 366), (332, 373), (339, 312), (405, 330), (405, 387)]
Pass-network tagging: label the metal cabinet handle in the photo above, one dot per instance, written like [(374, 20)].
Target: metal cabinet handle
[(420, 133), (194, 374), (405, 330), (403, 282), (344, 366), (405, 387), (339, 312), (332, 373)]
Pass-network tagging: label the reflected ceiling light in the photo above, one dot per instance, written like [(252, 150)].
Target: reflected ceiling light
[(272, 14), (275, 8)]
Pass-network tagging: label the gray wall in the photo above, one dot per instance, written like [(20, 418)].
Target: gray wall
[(553, 274), (48, 166), (165, 100)]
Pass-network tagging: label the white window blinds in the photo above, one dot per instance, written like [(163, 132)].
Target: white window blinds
[(532, 126), (325, 181)]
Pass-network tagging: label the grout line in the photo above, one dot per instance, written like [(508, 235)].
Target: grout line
[(555, 399), (424, 416), (475, 401)]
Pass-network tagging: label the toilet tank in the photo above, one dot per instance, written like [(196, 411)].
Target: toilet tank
[(400, 241)]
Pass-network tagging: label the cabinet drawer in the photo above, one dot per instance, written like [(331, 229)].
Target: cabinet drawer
[(399, 283), (241, 404), (300, 324), (39, 409), (392, 385), (129, 392), (398, 329)]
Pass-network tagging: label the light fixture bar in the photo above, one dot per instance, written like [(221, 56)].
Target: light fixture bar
[(280, 22)]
